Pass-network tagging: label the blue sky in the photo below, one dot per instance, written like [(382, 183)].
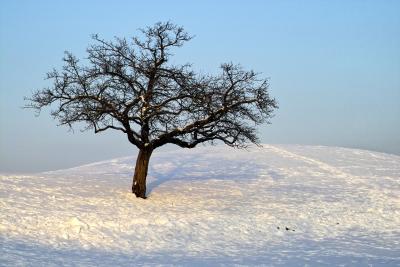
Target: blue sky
[(334, 67)]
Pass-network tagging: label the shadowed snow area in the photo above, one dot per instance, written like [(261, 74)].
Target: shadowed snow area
[(281, 205)]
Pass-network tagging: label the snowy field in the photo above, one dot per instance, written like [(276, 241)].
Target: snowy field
[(280, 205)]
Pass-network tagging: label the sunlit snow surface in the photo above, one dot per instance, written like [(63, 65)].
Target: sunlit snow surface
[(209, 206)]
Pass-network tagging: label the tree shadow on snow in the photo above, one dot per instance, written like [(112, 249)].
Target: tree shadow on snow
[(197, 167)]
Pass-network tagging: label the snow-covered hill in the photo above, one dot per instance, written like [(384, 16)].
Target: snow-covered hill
[(276, 205)]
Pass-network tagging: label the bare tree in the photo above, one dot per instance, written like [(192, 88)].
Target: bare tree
[(131, 86)]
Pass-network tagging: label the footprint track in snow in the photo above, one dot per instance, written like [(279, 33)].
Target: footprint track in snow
[(321, 165)]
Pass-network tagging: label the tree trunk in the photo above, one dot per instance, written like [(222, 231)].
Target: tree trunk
[(139, 178)]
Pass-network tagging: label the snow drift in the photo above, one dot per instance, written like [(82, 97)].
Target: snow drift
[(275, 205)]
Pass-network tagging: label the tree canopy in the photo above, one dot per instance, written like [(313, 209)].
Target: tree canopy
[(130, 86)]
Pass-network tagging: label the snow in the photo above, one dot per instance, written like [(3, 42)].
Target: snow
[(279, 205)]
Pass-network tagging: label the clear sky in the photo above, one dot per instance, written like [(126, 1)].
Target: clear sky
[(334, 67)]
